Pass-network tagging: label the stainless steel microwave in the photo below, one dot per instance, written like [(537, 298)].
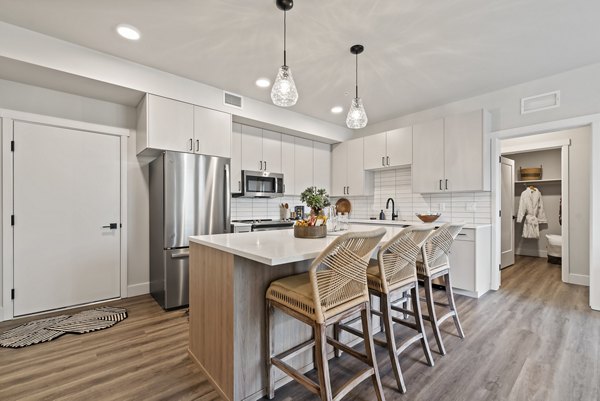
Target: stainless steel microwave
[(261, 184)]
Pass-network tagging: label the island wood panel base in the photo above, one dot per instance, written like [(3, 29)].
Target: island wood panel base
[(227, 322)]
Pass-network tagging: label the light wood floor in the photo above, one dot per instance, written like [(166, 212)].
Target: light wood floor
[(535, 339)]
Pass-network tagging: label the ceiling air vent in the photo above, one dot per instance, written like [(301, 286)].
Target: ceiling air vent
[(231, 99), (541, 102)]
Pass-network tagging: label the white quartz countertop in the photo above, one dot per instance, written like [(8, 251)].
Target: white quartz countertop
[(468, 226), (280, 246)]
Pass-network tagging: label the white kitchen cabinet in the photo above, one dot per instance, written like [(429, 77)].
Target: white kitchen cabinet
[(470, 261), (322, 165), (272, 151), (252, 148), (452, 154), (164, 124), (287, 164), (399, 147), (467, 152), (348, 174), (428, 157), (212, 132), (236, 158), (375, 151), (261, 150), (303, 159), (388, 149)]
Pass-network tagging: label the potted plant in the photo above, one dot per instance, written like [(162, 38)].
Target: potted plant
[(315, 225)]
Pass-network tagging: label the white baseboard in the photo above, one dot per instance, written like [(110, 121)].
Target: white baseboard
[(2, 315), (579, 279), (134, 290), (536, 253)]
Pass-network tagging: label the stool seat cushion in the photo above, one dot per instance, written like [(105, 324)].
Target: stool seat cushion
[(296, 293), (374, 278)]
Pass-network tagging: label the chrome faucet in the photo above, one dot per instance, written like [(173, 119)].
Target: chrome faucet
[(387, 206)]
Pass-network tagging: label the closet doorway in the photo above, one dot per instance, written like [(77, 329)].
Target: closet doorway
[(534, 189)]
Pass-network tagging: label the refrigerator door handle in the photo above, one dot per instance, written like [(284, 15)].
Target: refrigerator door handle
[(180, 255), (227, 198)]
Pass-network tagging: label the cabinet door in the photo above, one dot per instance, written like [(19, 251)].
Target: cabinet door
[(252, 148), (399, 147), (374, 151), (236, 158), (356, 170), (272, 151), (170, 124), (287, 164), (428, 157), (322, 165), (462, 265), (212, 132), (464, 153), (303, 161), (339, 168)]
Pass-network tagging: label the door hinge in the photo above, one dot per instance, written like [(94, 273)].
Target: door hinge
[(12, 219), (12, 146), (12, 293)]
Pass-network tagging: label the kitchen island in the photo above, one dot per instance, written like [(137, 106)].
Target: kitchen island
[(229, 276)]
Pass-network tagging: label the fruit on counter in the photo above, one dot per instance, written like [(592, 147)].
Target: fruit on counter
[(312, 221)]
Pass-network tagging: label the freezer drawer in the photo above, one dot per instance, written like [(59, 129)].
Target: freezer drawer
[(169, 279)]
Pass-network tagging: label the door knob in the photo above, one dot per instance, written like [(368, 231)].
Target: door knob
[(112, 226)]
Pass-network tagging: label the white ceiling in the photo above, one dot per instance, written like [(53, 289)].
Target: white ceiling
[(418, 54)]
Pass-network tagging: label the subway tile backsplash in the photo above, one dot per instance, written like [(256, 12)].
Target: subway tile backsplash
[(470, 207)]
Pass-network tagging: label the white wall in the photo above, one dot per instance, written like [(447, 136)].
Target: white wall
[(579, 190), (21, 97), (580, 95)]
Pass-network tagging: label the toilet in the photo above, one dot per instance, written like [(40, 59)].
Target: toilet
[(554, 248)]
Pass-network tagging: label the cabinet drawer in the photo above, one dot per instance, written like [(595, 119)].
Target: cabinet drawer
[(466, 234)]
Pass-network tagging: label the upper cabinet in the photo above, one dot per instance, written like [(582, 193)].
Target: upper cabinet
[(167, 124), (348, 175), (212, 132), (261, 150), (452, 154), (322, 165), (288, 167), (388, 149), (236, 159), (304, 169)]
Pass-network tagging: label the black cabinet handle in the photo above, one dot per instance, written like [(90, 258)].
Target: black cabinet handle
[(446, 184), (261, 165), (197, 145), (191, 144), (440, 185), (265, 165), (382, 161), (388, 160)]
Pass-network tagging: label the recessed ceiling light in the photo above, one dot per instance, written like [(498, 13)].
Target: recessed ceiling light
[(128, 32), (337, 109), (263, 82)]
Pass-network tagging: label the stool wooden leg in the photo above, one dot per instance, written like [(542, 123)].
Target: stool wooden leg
[(391, 340), (336, 335), (416, 304), (322, 363), (405, 304), (432, 316), (269, 348), (365, 315), (450, 295)]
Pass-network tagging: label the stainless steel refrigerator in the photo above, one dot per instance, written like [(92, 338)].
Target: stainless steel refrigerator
[(189, 195)]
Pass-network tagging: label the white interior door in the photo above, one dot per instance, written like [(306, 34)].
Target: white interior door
[(507, 205), (66, 188)]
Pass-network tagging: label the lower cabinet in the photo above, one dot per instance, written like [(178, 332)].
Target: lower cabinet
[(470, 261)]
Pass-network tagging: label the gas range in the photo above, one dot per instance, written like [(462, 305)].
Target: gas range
[(267, 224)]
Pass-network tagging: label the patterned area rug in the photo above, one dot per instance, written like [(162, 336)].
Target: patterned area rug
[(39, 331)]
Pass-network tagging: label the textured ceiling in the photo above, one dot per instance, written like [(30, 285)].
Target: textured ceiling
[(418, 54)]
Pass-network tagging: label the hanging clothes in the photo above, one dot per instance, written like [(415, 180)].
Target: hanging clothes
[(531, 207)]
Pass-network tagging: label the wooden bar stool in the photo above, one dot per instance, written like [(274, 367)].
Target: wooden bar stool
[(434, 263), (334, 288), (394, 272)]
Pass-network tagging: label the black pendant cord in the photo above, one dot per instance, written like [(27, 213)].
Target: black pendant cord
[(356, 76), (284, 39)]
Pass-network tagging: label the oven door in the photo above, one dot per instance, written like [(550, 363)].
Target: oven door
[(262, 184)]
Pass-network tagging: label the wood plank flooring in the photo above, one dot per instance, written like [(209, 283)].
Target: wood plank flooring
[(535, 339)]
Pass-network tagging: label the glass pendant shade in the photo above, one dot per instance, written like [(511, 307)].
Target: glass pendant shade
[(357, 117), (283, 92)]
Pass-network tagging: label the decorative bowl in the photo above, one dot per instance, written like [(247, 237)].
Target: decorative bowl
[(428, 217), (310, 231)]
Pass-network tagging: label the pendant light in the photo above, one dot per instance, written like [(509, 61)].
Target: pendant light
[(357, 117), (283, 92)]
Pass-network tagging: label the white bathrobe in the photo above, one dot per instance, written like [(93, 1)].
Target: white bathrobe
[(531, 208)]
